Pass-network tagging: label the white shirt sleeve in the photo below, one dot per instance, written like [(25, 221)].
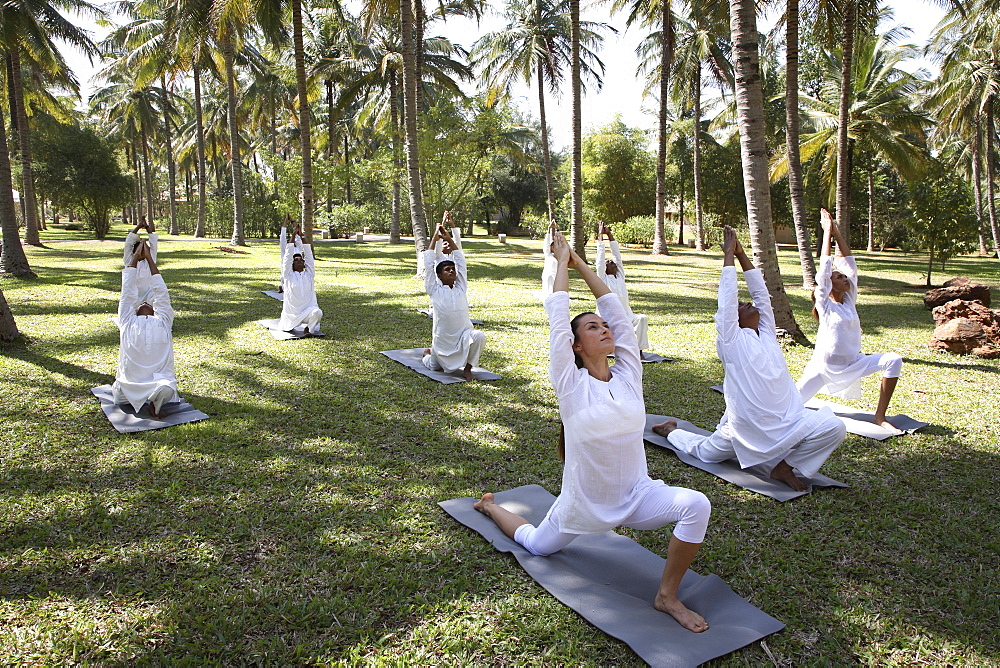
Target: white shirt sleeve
[(129, 300), (129, 243), (154, 244), (160, 301), (617, 254), (762, 300), (601, 265), (627, 358), (430, 276), (727, 317), (563, 372)]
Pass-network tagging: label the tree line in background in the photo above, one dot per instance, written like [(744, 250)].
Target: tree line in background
[(219, 117)]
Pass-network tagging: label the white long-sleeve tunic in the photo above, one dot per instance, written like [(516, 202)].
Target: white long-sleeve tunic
[(616, 282), (763, 408), (300, 289), (143, 276), (146, 355), (449, 343), (837, 356), (549, 267), (605, 476)]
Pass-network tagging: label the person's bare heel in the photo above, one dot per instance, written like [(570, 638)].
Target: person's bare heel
[(687, 618)]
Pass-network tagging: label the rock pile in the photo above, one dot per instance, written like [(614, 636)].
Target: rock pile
[(958, 288), (965, 327)]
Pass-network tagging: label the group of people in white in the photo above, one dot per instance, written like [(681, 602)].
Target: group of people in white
[(766, 425), (605, 481)]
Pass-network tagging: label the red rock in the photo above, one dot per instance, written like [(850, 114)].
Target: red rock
[(966, 327), (959, 287)]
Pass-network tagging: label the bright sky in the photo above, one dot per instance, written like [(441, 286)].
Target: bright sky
[(622, 92)]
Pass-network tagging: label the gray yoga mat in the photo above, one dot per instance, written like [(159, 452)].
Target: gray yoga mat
[(863, 424), (299, 332), (611, 580), (127, 421), (274, 294), (427, 312), (752, 478), (653, 358), (412, 357), (859, 422)]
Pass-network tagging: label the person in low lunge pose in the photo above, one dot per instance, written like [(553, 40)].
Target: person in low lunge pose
[(605, 481), (765, 423), (837, 363)]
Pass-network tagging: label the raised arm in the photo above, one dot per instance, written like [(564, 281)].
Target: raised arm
[(128, 302), (829, 229), (600, 263), (154, 240), (160, 299)]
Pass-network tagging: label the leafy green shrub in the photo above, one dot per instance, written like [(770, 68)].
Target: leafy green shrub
[(349, 218), (638, 230)]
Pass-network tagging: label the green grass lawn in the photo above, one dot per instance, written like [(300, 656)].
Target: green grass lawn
[(299, 524)]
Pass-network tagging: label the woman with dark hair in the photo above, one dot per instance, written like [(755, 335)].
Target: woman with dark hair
[(837, 364), (605, 481)]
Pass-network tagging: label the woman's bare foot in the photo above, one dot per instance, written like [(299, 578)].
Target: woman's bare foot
[(783, 473), (481, 504), (664, 428), (153, 412), (427, 351), (467, 372), (689, 619)]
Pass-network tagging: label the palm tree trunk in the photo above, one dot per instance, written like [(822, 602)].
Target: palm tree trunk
[(304, 122), (199, 230), (871, 206), (8, 328), (24, 144), (990, 195), (235, 158), (699, 240), (410, 85), (550, 193), (12, 257), (397, 160), (331, 142), (147, 173), (796, 190), (753, 151), (659, 234), (577, 238), (977, 186), (843, 163), (171, 168), (347, 169), (680, 205)]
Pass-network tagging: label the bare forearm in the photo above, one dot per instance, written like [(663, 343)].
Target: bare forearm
[(746, 264)]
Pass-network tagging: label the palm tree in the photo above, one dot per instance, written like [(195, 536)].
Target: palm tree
[(27, 28), (12, 260), (703, 41), (577, 235), (536, 44), (966, 95), (882, 123), (753, 148), (8, 328)]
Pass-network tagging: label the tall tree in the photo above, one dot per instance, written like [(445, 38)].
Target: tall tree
[(8, 328), (12, 258), (753, 152), (536, 44), (28, 28)]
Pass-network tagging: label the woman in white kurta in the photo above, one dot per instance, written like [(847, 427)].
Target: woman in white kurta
[(455, 344), (765, 422), (612, 272), (605, 482), (298, 276), (146, 355), (837, 364), (143, 277)]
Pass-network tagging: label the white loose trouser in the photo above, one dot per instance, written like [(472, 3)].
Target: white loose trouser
[(660, 506), (641, 324), (475, 341), (806, 456), (816, 377)]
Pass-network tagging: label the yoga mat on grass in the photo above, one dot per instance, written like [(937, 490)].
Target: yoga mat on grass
[(752, 478), (863, 424), (860, 422), (412, 357), (611, 581), (274, 294), (127, 421), (299, 332), (652, 358)]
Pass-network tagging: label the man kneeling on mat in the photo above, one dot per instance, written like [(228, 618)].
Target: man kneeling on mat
[(765, 422), (146, 357), (605, 481), (455, 343), (298, 276)]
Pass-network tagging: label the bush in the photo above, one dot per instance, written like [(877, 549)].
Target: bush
[(535, 225), (638, 230), (348, 218)]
